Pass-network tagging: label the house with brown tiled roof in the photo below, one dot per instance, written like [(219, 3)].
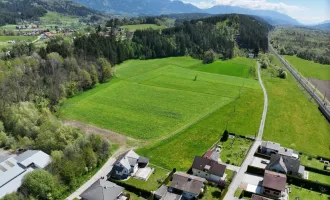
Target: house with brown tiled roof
[(187, 185), (274, 184), (209, 169), (258, 197)]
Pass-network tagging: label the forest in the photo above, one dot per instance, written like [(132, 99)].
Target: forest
[(15, 10), (309, 44), (34, 82)]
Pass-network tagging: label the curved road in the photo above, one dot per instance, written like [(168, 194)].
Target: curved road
[(248, 160)]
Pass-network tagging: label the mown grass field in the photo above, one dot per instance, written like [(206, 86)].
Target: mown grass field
[(143, 26), (304, 194), (240, 67), (162, 100), (292, 120), (310, 69)]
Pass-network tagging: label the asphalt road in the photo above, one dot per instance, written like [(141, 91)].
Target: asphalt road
[(249, 158)]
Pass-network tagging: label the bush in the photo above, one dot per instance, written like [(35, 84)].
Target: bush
[(283, 75), (225, 136), (208, 57)]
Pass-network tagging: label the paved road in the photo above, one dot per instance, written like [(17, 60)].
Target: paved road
[(309, 88), (249, 158), (107, 167)]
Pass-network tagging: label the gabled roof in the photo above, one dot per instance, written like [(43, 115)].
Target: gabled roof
[(187, 183), (102, 190), (271, 145), (212, 155), (38, 158), (9, 170), (275, 181), (291, 164), (209, 166), (128, 159)]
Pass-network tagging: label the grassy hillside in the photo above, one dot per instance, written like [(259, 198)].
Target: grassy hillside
[(310, 69), (142, 26), (292, 119), (154, 98)]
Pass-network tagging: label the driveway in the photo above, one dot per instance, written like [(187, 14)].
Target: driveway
[(259, 162)]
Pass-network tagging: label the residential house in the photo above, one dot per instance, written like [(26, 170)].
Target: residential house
[(13, 169), (128, 164), (187, 185), (212, 155), (269, 148), (209, 169), (163, 194), (273, 184), (286, 165), (288, 152), (103, 190)]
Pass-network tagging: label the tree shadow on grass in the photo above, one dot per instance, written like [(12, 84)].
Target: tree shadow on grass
[(216, 194)]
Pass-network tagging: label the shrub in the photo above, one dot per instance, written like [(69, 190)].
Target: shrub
[(283, 75), (208, 57)]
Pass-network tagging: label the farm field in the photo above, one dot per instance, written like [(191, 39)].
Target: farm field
[(160, 100), (310, 69), (240, 67), (304, 194), (143, 26), (292, 123)]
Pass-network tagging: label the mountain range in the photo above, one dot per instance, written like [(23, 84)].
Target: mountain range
[(158, 7)]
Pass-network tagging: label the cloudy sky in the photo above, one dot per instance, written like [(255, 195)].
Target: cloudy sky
[(305, 11)]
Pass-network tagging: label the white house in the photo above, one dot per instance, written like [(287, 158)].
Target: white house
[(209, 169), (128, 164)]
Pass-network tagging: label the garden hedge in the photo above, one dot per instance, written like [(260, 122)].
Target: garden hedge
[(131, 188), (319, 171), (261, 155), (308, 184), (255, 170)]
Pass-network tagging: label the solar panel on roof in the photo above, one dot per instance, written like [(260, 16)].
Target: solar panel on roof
[(9, 163), (2, 168)]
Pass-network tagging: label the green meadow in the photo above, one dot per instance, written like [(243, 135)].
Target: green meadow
[(240, 67), (17, 38), (52, 17), (178, 109), (310, 69), (292, 119), (143, 26)]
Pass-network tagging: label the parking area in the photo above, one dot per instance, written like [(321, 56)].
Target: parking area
[(259, 162), (252, 179)]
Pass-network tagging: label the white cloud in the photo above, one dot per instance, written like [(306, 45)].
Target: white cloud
[(252, 4)]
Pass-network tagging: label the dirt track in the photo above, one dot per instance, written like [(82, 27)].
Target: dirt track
[(322, 86), (110, 135)]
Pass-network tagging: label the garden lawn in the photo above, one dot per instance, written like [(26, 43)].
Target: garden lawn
[(152, 183), (211, 193), (179, 150), (311, 163), (319, 178), (292, 120), (234, 150), (143, 26), (310, 69), (304, 194), (240, 67)]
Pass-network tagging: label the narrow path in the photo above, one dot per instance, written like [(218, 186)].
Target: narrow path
[(107, 167), (111, 135), (248, 160)]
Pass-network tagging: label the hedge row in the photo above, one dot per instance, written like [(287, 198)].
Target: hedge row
[(319, 171), (308, 184), (168, 179), (261, 155), (242, 136), (131, 188), (255, 170)]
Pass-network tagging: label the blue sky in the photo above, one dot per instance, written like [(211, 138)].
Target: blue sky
[(305, 11)]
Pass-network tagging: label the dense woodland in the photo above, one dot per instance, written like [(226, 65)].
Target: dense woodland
[(34, 82), (16, 10), (309, 44)]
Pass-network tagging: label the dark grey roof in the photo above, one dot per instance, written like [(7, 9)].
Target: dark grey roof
[(187, 183), (292, 165), (143, 160), (212, 166), (102, 190), (271, 145)]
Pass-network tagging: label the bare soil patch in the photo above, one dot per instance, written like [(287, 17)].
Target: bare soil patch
[(322, 86)]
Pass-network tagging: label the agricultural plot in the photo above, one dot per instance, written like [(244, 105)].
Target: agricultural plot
[(240, 67), (292, 120), (167, 101), (54, 17), (310, 69), (142, 26)]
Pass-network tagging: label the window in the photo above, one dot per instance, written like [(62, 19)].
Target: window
[(276, 193), (267, 191)]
